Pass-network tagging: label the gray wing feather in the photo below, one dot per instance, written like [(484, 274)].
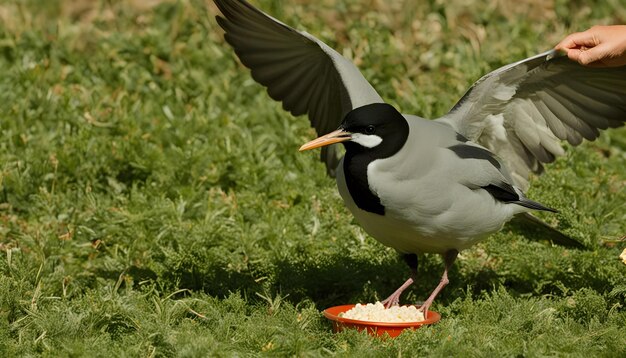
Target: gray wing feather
[(301, 71), (523, 111)]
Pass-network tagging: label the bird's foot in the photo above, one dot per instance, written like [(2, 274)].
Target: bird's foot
[(449, 258), (429, 301), (424, 309), (394, 299)]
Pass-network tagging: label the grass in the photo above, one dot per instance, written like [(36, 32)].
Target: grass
[(153, 202)]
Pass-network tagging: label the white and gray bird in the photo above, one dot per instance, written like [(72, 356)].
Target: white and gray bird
[(429, 186)]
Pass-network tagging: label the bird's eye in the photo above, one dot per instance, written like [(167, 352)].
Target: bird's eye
[(370, 129)]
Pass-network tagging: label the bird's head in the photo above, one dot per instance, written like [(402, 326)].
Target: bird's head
[(376, 127)]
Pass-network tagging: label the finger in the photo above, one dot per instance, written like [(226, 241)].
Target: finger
[(566, 43), (592, 55), (573, 54), (569, 42), (576, 40)]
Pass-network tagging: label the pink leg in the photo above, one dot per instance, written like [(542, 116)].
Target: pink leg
[(449, 258), (394, 299)]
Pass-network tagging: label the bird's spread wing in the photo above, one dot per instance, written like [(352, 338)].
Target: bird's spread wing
[(522, 111), (301, 71)]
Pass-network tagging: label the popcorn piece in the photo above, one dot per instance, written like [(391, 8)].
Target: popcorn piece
[(376, 312)]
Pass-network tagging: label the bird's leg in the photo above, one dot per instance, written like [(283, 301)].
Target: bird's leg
[(394, 299), (449, 257)]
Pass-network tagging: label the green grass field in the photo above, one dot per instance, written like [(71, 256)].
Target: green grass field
[(153, 201)]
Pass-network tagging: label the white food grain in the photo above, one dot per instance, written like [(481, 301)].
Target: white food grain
[(376, 312)]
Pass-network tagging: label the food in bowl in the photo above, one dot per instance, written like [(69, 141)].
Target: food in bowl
[(376, 312)]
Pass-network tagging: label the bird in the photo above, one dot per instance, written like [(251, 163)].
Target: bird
[(435, 186)]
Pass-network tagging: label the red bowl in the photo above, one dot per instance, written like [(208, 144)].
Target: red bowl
[(374, 328)]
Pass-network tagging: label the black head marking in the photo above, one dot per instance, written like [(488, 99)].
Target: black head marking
[(378, 119)]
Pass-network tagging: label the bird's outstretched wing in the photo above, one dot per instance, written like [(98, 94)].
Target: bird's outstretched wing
[(301, 71), (522, 111)]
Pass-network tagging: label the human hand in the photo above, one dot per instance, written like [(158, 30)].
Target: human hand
[(600, 46)]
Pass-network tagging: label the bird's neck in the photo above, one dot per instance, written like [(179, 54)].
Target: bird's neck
[(355, 172), (356, 162)]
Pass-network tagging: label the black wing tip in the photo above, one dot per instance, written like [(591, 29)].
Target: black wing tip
[(222, 6), (221, 21), (535, 205), (226, 15), (507, 194), (231, 9)]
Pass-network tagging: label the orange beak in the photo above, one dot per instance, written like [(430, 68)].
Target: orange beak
[(337, 136)]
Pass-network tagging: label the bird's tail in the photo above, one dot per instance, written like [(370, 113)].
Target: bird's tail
[(545, 231)]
